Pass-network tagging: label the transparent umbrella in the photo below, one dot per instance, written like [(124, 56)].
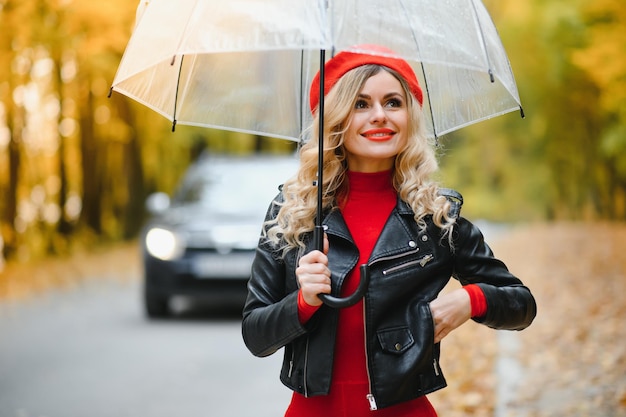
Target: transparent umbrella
[(247, 65)]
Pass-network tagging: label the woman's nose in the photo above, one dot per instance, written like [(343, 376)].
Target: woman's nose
[(378, 114)]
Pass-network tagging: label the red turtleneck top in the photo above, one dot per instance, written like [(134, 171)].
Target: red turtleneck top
[(369, 203)]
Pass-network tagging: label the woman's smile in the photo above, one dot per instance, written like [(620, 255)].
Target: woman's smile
[(378, 135)]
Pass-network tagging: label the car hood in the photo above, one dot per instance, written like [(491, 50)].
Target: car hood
[(201, 227)]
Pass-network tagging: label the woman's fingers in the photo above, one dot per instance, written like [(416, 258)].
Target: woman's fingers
[(312, 285), (449, 311), (326, 244), (314, 276)]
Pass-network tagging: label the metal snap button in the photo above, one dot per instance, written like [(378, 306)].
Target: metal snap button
[(412, 244), (398, 347), (424, 238)]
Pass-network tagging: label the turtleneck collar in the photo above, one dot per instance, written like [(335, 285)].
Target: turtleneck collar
[(370, 182)]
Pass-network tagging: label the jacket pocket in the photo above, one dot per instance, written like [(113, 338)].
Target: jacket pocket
[(396, 340), (429, 320)]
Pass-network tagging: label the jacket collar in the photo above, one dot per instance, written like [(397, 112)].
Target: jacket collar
[(334, 221), (398, 235)]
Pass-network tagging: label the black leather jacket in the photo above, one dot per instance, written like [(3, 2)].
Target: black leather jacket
[(408, 269)]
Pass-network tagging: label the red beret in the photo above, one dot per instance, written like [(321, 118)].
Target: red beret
[(345, 61)]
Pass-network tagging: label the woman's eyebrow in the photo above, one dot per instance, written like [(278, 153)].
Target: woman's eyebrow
[(386, 96), (394, 94)]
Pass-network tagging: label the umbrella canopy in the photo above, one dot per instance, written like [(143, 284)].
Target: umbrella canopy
[(246, 65)]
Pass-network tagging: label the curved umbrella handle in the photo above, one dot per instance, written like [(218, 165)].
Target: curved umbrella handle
[(352, 299)]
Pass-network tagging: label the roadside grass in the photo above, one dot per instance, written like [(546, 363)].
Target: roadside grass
[(19, 281), (573, 356)]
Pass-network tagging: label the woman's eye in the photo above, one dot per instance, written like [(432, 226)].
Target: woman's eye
[(394, 102), (360, 104)]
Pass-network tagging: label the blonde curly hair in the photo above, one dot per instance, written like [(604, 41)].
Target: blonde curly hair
[(412, 170)]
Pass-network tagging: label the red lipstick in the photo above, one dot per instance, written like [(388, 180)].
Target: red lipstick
[(379, 134)]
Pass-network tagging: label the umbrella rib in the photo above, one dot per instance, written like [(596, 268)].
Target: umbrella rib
[(417, 45), (482, 38), (484, 42), (303, 104), (430, 106), (180, 70)]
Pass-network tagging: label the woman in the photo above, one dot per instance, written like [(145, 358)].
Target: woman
[(381, 209)]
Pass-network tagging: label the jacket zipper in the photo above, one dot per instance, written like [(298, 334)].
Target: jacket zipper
[(399, 255), (426, 259), (370, 397), (436, 366), (422, 262), (306, 365), (290, 365)]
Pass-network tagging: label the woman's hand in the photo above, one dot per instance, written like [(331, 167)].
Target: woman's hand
[(449, 311), (313, 275)]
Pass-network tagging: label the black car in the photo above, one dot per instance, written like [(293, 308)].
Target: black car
[(202, 242)]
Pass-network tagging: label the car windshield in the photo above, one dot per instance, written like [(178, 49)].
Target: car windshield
[(234, 187)]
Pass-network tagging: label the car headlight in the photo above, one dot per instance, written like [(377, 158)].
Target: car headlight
[(164, 244)]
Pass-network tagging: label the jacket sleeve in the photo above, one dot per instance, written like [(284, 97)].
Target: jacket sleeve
[(510, 304), (270, 314)]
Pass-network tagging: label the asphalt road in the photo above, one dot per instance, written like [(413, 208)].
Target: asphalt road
[(89, 352)]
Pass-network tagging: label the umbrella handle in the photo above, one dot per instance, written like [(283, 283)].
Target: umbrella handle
[(352, 299)]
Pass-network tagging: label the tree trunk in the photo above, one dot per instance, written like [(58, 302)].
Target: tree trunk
[(91, 214), (64, 227), (134, 173), (10, 199)]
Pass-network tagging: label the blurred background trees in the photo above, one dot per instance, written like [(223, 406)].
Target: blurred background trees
[(76, 166)]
